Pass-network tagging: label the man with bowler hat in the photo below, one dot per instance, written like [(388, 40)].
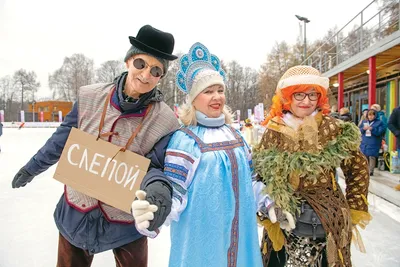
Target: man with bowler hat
[(86, 225)]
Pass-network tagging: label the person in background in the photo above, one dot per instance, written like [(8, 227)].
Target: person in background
[(213, 216), (363, 117), (380, 114), (334, 113), (394, 126), (249, 132), (372, 131), (88, 226), (344, 114), (310, 220)]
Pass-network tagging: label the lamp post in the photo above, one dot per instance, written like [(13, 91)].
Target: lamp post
[(305, 21), (33, 110)]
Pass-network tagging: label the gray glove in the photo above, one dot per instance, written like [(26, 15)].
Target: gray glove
[(22, 178), (159, 193)]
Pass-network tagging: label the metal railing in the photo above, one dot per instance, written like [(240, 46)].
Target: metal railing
[(368, 27)]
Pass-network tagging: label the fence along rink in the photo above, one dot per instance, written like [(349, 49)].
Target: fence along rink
[(31, 124)]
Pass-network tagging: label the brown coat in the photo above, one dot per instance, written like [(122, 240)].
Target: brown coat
[(323, 194)]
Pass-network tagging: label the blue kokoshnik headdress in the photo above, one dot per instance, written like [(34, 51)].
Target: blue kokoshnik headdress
[(198, 70)]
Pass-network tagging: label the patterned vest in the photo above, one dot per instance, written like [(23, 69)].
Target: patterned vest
[(159, 122)]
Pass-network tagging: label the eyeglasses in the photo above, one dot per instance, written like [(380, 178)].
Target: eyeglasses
[(314, 96), (140, 64)]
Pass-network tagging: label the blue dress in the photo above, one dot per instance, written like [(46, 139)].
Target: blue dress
[(213, 217)]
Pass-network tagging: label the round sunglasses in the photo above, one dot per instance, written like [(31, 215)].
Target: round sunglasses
[(140, 64), (301, 96)]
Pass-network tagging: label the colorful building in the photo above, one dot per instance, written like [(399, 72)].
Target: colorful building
[(50, 110)]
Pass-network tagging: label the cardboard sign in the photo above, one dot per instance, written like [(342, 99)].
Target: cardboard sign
[(97, 169)]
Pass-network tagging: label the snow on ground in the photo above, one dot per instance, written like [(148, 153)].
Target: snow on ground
[(29, 236)]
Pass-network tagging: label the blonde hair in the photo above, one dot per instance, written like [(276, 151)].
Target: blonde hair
[(187, 114), (376, 107), (344, 111)]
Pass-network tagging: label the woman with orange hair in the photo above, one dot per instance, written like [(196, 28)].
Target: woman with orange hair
[(310, 222)]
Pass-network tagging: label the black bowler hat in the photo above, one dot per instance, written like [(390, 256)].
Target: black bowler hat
[(155, 42)]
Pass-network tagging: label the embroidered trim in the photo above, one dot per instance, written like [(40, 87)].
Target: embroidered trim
[(178, 188), (233, 248), (181, 155), (226, 145)]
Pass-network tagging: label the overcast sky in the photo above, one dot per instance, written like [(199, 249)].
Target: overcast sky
[(36, 35)]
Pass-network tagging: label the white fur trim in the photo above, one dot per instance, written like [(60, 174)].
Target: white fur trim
[(204, 79), (303, 79), (294, 122)]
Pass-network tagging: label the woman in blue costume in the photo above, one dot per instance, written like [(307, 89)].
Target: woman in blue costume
[(213, 216)]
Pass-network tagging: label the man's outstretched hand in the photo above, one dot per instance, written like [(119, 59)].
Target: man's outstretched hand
[(22, 178)]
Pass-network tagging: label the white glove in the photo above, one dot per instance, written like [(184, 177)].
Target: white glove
[(284, 218), (289, 223), (142, 211)]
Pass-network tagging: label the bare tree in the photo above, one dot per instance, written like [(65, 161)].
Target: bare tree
[(325, 50), (281, 58), (8, 94), (6, 83), (248, 93), (356, 41), (267, 84), (25, 82), (234, 73), (390, 11), (75, 72), (168, 85), (109, 70), (241, 87), (59, 84)]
